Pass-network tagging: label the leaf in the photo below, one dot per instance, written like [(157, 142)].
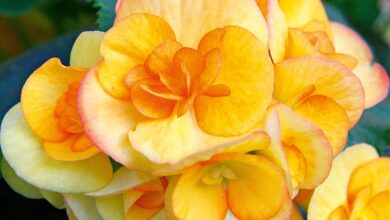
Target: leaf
[(373, 128), (16, 7), (106, 13)]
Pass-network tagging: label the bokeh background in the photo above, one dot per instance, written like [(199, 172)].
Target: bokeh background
[(40, 26)]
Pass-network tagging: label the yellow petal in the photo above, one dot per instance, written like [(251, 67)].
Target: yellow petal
[(63, 150), (126, 45), (123, 180), (247, 71), (190, 20), (55, 199), (329, 116), (41, 93), (248, 187), (333, 191), (83, 207), (375, 173), (378, 207), (172, 140), (325, 77), (340, 213), (107, 122), (296, 214), (372, 75), (23, 151), (300, 12), (310, 141), (278, 31), (86, 49), (110, 207), (17, 184), (192, 199), (136, 212), (275, 151)]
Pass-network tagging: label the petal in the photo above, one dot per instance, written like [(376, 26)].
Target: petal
[(296, 214), (110, 207), (375, 173), (123, 180), (23, 151), (310, 141), (378, 207), (150, 105), (275, 151), (258, 140), (107, 122), (191, 20), (86, 49), (174, 139), (136, 212), (375, 81), (127, 44), (327, 77), (373, 76), (55, 199), (192, 199), (83, 207), (278, 31), (17, 184), (249, 187), (300, 12), (329, 116), (247, 71), (333, 191), (40, 95), (63, 150), (340, 213)]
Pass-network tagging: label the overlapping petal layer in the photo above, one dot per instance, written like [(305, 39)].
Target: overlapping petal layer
[(24, 152)]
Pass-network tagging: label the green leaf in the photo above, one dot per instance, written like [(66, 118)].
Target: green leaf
[(373, 128), (16, 7), (106, 13)]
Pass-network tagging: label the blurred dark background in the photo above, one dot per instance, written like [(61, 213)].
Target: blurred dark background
[(28, 24)]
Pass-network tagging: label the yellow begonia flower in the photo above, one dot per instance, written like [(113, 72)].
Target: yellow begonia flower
[(358, 187), (299, 147), (301, 29), (177, 81), (251, 186), (130, 195), (47, 126)]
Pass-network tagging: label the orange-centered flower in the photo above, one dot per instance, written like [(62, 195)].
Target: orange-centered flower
[(164, 98), (358, 187), (49, 103)]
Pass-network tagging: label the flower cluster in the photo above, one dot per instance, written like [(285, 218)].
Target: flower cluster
[(215, 109)]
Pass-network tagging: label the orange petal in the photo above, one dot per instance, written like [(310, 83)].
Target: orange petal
[(127, 44), (150, 105), (329, 116), (63, 150), (296, 214), (278, 31), (192, 199), (135, 75), (151, 200), (248, 187), (41, 93), (333, 191), (107, 122), (329, 78), (218, 91), (247, 71), (373, 76), (191, 20), (375, 173), (136, 212), (310, 141), (300, 12)]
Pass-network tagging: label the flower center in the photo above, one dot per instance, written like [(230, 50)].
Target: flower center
[(217, 174), (69, 118), (177, 75)]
